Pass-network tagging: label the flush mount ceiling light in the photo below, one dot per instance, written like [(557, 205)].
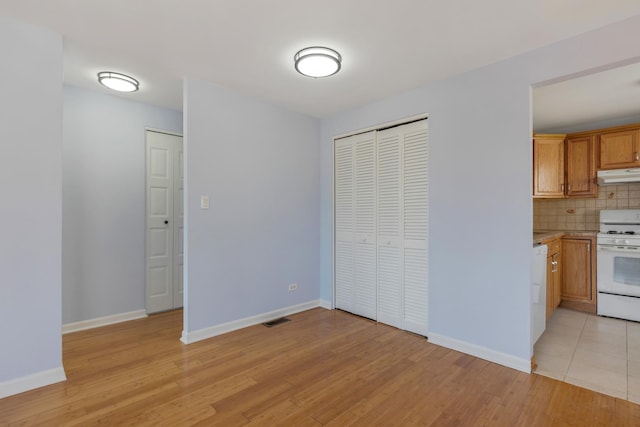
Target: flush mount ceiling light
[(317, 62), (117, 81)]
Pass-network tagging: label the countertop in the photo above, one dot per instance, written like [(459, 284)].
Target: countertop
[(540, 236)]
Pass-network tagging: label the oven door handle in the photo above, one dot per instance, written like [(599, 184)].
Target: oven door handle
[(617, 249)]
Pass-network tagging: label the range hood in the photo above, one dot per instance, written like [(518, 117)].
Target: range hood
[(618, 176)]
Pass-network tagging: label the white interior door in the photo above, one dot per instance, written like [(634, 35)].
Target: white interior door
[(164, 222)]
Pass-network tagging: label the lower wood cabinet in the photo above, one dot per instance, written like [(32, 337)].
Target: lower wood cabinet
[(578, 273), (554, 275)]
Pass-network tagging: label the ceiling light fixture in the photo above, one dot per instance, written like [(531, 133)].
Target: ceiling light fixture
[(317, 62), (117, 81)]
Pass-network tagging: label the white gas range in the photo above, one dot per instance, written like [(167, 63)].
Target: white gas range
[(618, 264)]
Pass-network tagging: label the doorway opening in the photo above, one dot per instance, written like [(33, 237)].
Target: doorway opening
[(164, 234)]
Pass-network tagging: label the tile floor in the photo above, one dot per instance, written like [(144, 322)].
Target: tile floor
[(593, 352)]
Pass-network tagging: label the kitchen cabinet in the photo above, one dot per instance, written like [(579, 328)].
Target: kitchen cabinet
[(564, 167), (554, 275), (581, 166), (548, 166), (578, 273), (619, 149)]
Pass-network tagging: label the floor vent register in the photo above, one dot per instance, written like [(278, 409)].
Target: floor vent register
[(275, 322)]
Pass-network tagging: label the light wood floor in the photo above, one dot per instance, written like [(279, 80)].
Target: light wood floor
[(322, 368)]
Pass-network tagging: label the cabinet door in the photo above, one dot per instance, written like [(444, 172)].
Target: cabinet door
[(619, 149), (557, 280), (548, 166), (577, 270), (554, 282), (581, 167), (551, 274)]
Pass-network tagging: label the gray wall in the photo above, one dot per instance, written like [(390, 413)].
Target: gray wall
[(31, 214), (259, 165), (103, 202), (480, 185)]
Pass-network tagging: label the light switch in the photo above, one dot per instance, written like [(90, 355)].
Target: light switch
[(204, 202)]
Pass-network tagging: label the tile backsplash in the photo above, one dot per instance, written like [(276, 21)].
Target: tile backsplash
[(583, 214)]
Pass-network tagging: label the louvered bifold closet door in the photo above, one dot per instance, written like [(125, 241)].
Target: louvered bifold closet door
[(344, 224), (415, 226), (355, 222), (365, 225), (381, 218), (389, 228)]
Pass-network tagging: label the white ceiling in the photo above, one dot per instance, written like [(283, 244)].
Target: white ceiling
[(248, 45), (587, 102)]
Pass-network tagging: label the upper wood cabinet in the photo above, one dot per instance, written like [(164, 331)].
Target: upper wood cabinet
[(581, 166), (548, 166), (619, 149), (564, 167)]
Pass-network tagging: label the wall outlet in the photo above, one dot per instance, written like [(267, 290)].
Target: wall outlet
[(293, 287)]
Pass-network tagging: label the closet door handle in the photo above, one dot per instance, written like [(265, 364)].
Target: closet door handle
[(166, 222)]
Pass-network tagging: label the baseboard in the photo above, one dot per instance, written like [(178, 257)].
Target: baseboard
[(212, 331), (503, 359), (587, 307), (103, 321), (29, 382), (326, 304)]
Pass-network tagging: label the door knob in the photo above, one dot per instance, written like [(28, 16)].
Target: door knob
[(166, 222)]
